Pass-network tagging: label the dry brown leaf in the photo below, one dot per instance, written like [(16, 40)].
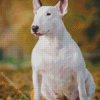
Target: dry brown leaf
[(8, 98), (32, 95)]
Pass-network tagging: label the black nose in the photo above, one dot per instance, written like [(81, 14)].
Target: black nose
[(35, 28)]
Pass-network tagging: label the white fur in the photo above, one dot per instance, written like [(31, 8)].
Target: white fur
[(58, 65)]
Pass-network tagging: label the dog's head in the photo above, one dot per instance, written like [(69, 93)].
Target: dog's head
[(47, 17)]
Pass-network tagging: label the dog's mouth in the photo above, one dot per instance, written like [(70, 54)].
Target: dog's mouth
[(38, 34)]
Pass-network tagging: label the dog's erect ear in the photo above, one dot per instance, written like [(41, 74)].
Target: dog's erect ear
[(36, 4), (62, 6)]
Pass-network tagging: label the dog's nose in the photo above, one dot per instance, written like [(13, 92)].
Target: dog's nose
[(35, 28)]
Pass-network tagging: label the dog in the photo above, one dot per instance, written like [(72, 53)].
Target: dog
[(58, 66)]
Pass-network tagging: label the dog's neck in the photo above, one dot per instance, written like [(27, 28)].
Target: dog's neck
[(57, 36)]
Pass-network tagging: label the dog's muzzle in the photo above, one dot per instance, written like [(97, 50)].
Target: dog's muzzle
[(35, 30)]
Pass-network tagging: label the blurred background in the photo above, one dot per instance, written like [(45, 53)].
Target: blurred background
[(16, 42)]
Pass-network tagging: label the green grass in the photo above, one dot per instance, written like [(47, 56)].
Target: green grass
[(20, 69), (12, 61), (27, 88)]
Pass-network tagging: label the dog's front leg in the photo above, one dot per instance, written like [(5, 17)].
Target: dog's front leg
[(37, 85), (81, 87)]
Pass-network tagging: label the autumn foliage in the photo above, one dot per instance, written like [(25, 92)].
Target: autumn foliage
[(16, 18)]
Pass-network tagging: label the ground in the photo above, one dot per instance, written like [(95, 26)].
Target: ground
[(16, 84)]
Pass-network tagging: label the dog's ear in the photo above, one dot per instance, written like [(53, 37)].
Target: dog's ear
[(36, 4), (62, 6)]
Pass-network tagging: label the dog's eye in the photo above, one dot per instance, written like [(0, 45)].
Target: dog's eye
[(48, 14)]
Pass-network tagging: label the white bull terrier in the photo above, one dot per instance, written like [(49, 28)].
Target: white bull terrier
[(59, 70)]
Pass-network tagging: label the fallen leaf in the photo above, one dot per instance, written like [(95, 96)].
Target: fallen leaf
[(8, 98)]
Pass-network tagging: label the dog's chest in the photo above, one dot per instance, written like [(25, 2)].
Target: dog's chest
[(55, 67), (51, 59), (54, 57)]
